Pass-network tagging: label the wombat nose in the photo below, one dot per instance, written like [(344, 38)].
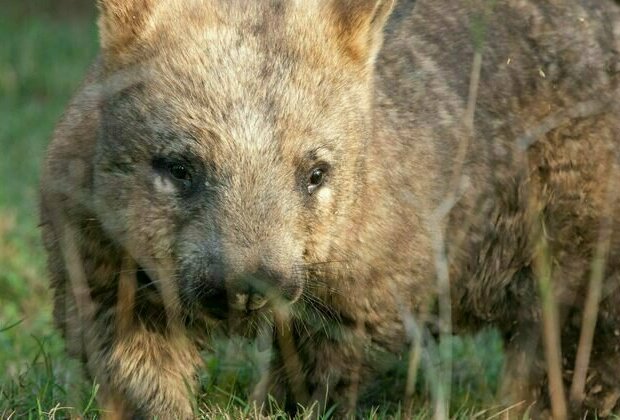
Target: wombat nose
[(260, 281), (251, 301), (257, 301), (252, 292), (224, 295)]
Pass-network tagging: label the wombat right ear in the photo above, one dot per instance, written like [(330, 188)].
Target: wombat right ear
[(360, 25), (120, 23)]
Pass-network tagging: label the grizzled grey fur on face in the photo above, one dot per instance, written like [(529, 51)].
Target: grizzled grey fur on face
[(234, 142)]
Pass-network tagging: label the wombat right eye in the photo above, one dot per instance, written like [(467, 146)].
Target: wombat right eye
[(178, 172)]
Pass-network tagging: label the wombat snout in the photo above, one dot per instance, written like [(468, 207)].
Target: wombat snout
[(226, 293)]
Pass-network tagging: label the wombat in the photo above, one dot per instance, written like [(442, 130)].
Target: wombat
[(340, 169)]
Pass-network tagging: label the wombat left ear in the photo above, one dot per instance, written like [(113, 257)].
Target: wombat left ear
[(360, 26), (120, 23)]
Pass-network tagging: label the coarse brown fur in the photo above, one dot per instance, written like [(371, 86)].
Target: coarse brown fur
[(178, 189)]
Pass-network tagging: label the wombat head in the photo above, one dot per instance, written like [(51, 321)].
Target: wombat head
[(232, 139)]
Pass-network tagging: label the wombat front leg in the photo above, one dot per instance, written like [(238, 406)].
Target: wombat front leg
[(140, 355), (145, 374), (141, 373), (145, 367), (148, 367)]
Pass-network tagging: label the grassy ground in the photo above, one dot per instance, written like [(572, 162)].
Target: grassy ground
[(46, 48), (42, 59)]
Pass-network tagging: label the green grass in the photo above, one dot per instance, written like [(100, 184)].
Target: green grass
[(43, 58)]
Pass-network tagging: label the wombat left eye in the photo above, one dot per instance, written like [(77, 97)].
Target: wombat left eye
[(180, 172), (316, 178), (177, 171)]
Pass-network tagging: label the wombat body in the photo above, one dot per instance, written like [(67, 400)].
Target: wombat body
[(341, 166)]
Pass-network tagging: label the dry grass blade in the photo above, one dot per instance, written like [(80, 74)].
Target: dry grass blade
[(291, 361), (551, 328), (595, 289), (458, 185), (127, 287)]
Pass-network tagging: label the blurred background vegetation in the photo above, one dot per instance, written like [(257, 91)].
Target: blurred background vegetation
[(45, 49)]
